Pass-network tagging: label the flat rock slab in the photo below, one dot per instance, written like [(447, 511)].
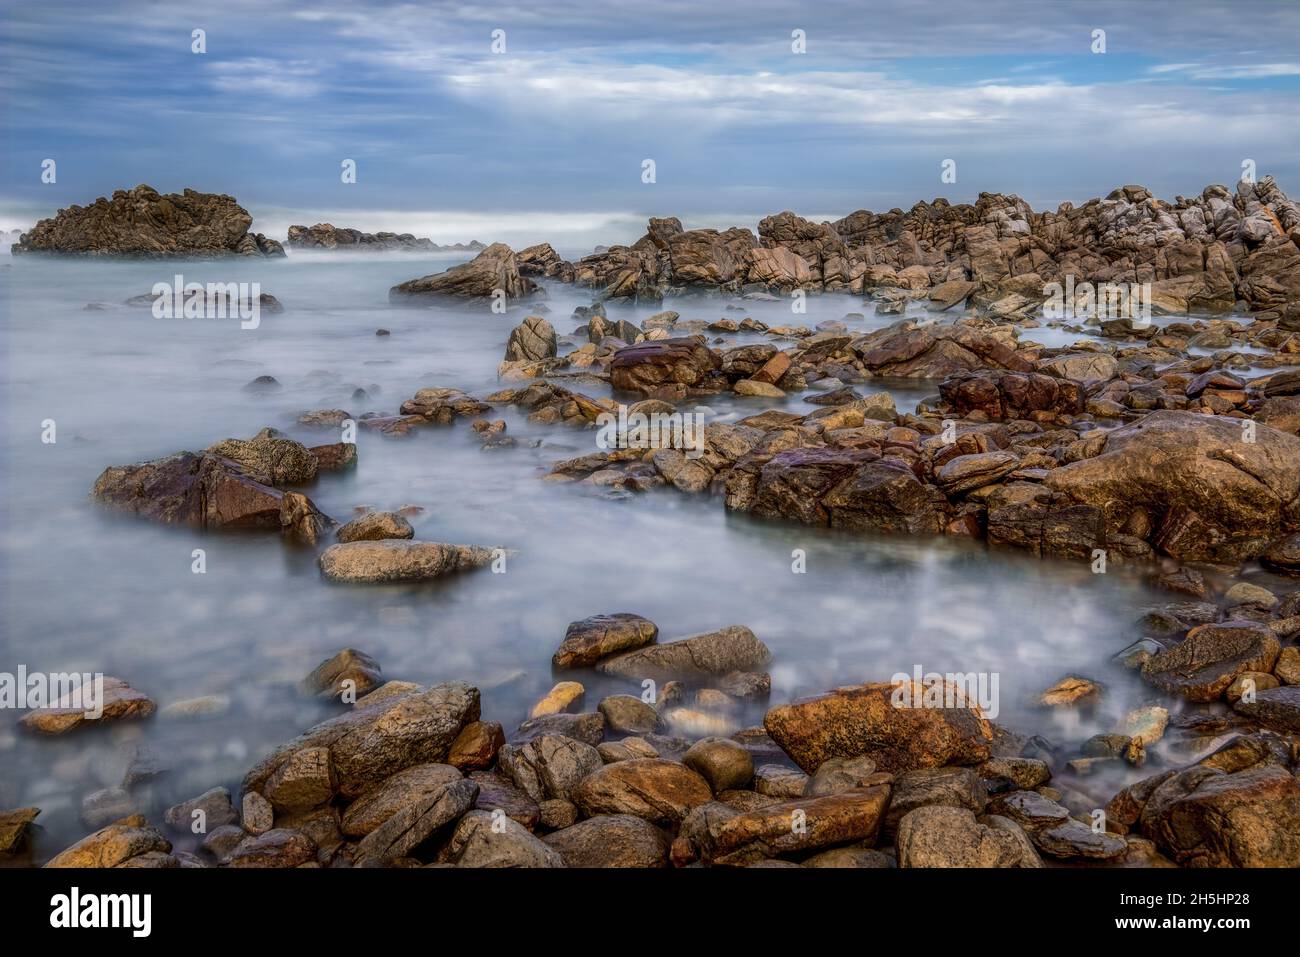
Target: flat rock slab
[(395, 560)]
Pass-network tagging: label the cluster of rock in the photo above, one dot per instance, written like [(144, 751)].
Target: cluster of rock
[(328, 236), (1204, 253), (491, 276), (1020, 446), (411, 776), (143, 223)]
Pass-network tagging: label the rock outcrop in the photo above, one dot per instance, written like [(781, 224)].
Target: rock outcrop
[(142, 223)]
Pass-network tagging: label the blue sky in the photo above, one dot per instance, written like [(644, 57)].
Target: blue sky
[(547, 139)]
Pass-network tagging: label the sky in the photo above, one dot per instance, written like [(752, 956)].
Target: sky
[(547, 138)]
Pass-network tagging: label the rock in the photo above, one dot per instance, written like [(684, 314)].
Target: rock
[(1288, 665), (402, 790), (1145, 725), (417, 821), (378, 738), (628, 714), (1075, 839), (1203, 817), (1244, 593), (778, 781), (532, 340), (1070, 691), (734, 648), (565, 696), (15, 829), (722, 762), (949, 787), (550, 766), (626, 750), (1216, 497), (589, 640), (839, 774), (557, 814), (201, 707), (476, 747), (863, 721), (588, 727), (113, 846), (324, 236), (142, 223), (1081, 366), (939, 836), (1249, 682), (648, 367), (611, 840), (256, 814), (966, 472), (209, 810), (207, 491), (752, 387), (496, 792), (118, 701), (1010, 774), (495, 268), (304, 780), (1276, 708), (658, 791), (1283, 555), (279, 847), (399, 561), (347, 676), (1205, 663), (221, 842), (484, 840), (798, 826), (270, 457), (375, 527), (102, 807), (849, 857)]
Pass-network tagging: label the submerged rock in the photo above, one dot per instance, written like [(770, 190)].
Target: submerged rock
[(393, 560), (119, 701), (375, 527)]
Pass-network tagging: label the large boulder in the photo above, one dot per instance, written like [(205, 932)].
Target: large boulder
[(1209, 659), (933, 352), (143, 223), (385, 732), (647, 367), (531, 340), (805, 824), (649, 788), (1209, 492), (589, 640), (207, 491), (1203, 817), (492, 273), (734, 648), (611, 840), (864, 720), (942, 836)]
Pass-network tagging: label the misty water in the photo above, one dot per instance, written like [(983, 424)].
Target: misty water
[(87, 590)]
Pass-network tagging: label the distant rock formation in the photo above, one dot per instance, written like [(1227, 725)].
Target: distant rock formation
[(145, 224), (327, 236), (1209, 252)]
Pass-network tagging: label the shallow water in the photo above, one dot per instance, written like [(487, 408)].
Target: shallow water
[(85, 590)]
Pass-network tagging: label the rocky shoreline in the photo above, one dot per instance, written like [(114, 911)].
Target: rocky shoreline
[(1132, 446), (328, 236)]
